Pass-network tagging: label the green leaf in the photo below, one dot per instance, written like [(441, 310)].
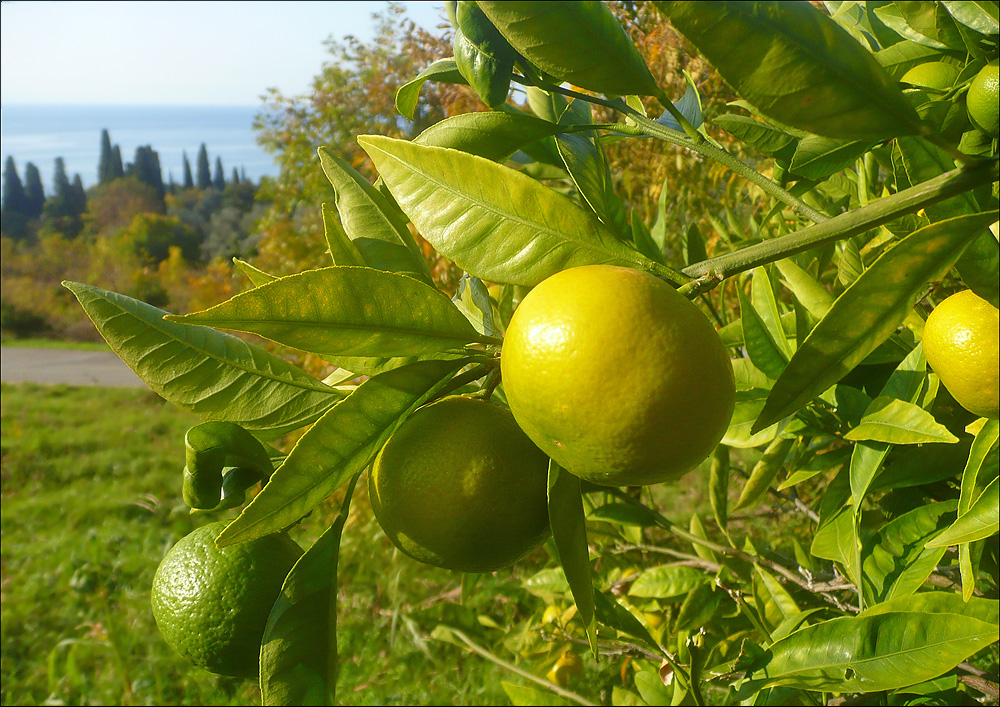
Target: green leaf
[(623, 514), (340, 444), (868, 312), (925, 23), (762, 137), (869, 653), (979, 608), (762, 296), (482, 55), (256, 276), (900, 57), (764, 472), (445, 70), (816, 157), (345, 311), (982, 444), (895, 562), (569, 531), (494, 135), (981, 521), (588, 169), (526, 696), (797, 66), (698, 607), (866, 463), (214, 375), (667, 581), (898, 422), (774, 604), (494, 222), (718, 486), (343, 252), (807, 290), (651, 688), (611, 613), (211, 447), (578, 42), (765, 352), (979, 15), (298, 653), (381, 241), (748, 407), (692, 243)]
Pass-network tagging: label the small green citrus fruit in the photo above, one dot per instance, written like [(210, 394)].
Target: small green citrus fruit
[(211, 604), (460, 486), (983, 100)]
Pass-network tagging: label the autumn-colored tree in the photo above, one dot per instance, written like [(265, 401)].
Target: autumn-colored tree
[(114, 205)]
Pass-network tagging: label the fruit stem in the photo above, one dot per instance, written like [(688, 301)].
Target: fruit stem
[(709, 273), (479, 650), (461, 379)]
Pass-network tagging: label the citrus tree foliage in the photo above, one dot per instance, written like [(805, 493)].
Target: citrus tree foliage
[(876, 200)]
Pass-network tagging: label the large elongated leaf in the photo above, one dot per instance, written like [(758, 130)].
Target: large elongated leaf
[(340, 444), (214, 375), (482, 55), (494, 135), (899, 422), (981, 521), (381, 240), (494, 222), (762, 346), (345, 311), (666, 581), (896, 563), (579, 42), (762, 137), (868, 312), (868, 653), (816, 157), (569, 531), (298, 653), (797, 66), (980, 608)]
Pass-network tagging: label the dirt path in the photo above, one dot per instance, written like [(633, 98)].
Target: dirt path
[(52, 366)]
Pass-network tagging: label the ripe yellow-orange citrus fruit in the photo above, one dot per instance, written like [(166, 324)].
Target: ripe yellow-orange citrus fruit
[(211, 604), (962, 345), (983, 99), (460, 486), (616, 376)]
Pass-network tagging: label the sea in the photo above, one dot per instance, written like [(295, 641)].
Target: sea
[(41, 133)]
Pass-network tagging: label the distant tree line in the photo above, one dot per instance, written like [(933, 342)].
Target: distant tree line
[(206, 217)]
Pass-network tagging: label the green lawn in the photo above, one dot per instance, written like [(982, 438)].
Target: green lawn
[(91, 484), (40, 343)]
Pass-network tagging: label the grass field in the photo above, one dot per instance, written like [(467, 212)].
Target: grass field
[(91, 501)]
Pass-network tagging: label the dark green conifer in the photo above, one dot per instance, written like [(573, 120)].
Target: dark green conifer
[(117, 166), (219, 178), (147, 168), (106, 163), (235, 179), (15, 201), (204, 172), (188, 178), (33, 190)]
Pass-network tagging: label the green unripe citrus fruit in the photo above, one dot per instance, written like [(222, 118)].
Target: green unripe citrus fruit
[(616, 376), (962, 345), (460, 486), (983, 100), (936, 75), (211, 605)]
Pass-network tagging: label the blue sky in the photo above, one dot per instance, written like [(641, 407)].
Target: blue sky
[(203, 53)]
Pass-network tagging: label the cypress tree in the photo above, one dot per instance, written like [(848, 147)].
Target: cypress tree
[(188, 178), (33, 190), (146, 168), (106, 164), (243, 174), (204, 173), (78, 195), (219, 178), (61, 184), (15, 201), (235, 179), (117, 168)]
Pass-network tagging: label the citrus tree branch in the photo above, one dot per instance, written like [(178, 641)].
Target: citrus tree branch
[(650, 128), (709, 273)]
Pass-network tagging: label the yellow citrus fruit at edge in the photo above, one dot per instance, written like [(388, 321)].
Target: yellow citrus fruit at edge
[(211, 605), (616, 376), (962, 345), (983, 99), (460, 486)]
